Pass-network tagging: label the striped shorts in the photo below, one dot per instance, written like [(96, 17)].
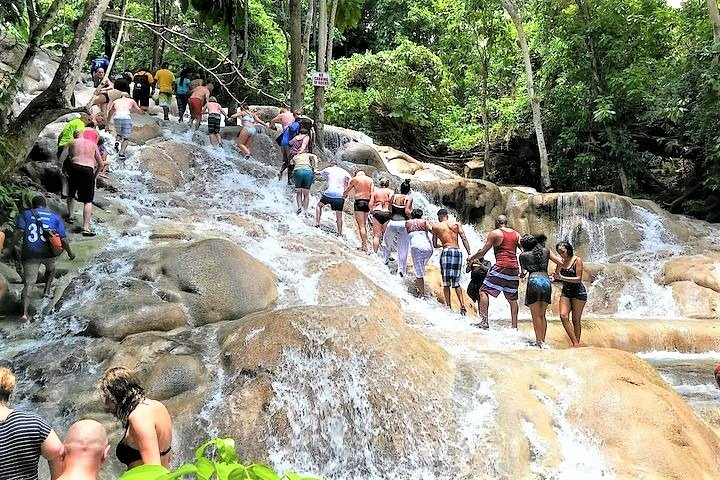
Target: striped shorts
[(123, 126), (502, 279)]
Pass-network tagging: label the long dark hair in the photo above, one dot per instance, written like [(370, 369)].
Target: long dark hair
[(184, 73), (121, 386), (405, 187), (534, 244)]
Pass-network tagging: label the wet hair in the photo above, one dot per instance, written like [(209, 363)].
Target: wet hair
[(212, 99), (7, 384), (534, 244), (39, 201), (304, 131), (165, 65), (384, 182), (416, 213), (442, 213), (120, 384), (568, 248), (405, 187)]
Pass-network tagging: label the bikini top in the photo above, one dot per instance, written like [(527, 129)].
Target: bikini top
[(127, 454), (248, 118), (398, 210), (569, 272)]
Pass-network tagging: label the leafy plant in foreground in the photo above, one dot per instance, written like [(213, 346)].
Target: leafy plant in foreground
[(216, 459)]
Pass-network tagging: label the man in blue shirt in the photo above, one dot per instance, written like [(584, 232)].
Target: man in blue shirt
[(35, 249)]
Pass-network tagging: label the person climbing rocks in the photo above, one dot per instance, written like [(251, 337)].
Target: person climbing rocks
[(478, 271), (380, 208), (83, 168), (99, 63), (143, 86), (304, 173), (362, 186), (249, 130), (35, 250), (85, 449), (574, 295), (401, 207), (337, 179), (504, 275), (421, 247), (199, 96), (182, 93), (165, 80), (119, 112), (289, 132), (445, 234), (66, 135), (215, 113)]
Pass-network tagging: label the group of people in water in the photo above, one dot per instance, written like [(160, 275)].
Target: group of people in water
[(25, 436)]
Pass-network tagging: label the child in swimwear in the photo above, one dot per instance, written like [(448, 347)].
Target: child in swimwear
[(103, 154), (214, 111)]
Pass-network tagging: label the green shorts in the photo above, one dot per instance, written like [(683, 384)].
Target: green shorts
[(31, 268), (164, 99)]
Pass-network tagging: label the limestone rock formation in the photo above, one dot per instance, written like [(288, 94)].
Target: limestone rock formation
[(696, 301), (700, 269), (215, 279)]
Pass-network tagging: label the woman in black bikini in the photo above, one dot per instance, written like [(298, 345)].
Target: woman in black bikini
[(574, 295), (380, 207), (147, 423)]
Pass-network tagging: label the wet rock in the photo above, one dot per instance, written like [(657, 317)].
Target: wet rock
[(216, 279), (144, 128), (609, 282), (10, 274), (474, 200), (170, 164), (362, 154), (433, 285), (4, 294), (695, 301), (700, 269), (474, 169)]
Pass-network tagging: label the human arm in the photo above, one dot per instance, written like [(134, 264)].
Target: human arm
[(522, 260), (51, 449), (555, 258), (349, 187), (304, 144), (464, 239), (257, 119), (489, 243), (145, 435), (435, 240), (135, 107), (100, 162), (408, 206)]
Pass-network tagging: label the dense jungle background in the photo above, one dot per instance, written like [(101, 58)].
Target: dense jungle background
[(627, 89)]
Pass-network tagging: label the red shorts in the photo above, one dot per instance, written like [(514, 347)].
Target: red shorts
[(195, 105)]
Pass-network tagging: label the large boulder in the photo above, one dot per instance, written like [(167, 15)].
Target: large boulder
[(145, 128), (475, 200), (696, 301), (215, 279), (362, 154), (170, 163), (700, 269)]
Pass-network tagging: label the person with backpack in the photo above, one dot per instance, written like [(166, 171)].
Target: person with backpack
[(143, 83), (100, 62), (34, 225), (289, 132)]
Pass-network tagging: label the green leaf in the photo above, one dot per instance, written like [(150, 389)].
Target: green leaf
[(205, 468), (187, 469), (263, 472)]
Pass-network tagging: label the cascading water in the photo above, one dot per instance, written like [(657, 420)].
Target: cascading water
[(323, 397)]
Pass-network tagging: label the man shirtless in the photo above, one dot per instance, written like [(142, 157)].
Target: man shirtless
[(445, 235), (198, 98), (363, 187), (82, 169), (120, 111), (85, 449), (504, 275)]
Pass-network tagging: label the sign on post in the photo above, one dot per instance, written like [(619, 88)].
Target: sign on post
[(321, 79)]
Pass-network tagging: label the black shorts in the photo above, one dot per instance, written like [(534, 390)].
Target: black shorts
[(107, 97), (382, 216), (362, 206), (539, 289), (213, 123), (81, 180), (336, 204), (142, 97)]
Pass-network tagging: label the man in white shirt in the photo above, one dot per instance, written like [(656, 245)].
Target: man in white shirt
[(337, 179)]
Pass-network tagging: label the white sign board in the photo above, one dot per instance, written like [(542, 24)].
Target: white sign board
[(321, 79)]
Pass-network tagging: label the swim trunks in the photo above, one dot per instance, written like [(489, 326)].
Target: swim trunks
[(362, 205), (123, 126), (142, 97), (195, 104), (336, 204), (303, 178), (81, 180), (574, 291), (451, 267), (502, 279), (213, 123), (164, 99), (382, 216), (539, 289)]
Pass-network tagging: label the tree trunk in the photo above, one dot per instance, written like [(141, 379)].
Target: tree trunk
[(36, 35), (156, 38), (715, 21), (55, 100), (297, 74), (233, 47), (331, 34), (487, 168), (514, 13), (246, 32), (320, 56), (305, 59)]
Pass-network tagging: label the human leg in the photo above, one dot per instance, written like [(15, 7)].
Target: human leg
[(420, 283), (577, 307), (388, 239), (248, 142), (446, 296), (30, 273), (565, 308), (241, 140), (458, 292), (49, 275), (87, 214), (306, 199), (361, 220), (403, 245), (537, 311), (378, 231), (339, 222), (318, 213), (513, 312), (484, 306)]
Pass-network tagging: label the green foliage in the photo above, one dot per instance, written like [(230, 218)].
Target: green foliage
[(216, 459)]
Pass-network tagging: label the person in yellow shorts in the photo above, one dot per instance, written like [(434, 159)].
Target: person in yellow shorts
[(165, 80)]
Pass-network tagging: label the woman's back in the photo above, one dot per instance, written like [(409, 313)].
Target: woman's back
[(536, 260)]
